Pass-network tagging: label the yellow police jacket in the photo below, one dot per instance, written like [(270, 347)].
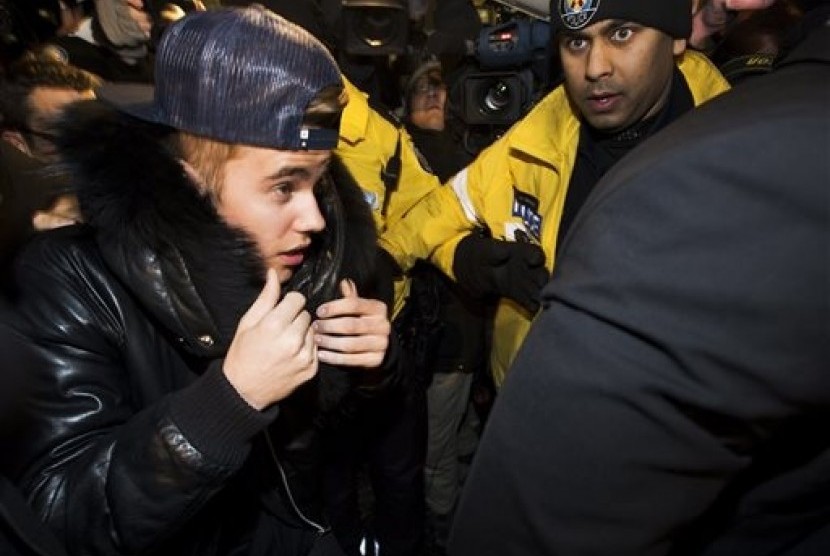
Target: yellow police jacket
[(517, 184), (368, 141)]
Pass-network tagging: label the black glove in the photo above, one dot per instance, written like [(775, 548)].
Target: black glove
[(485, 266)]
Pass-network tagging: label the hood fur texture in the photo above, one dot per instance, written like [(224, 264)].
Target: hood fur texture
[(169, 246)]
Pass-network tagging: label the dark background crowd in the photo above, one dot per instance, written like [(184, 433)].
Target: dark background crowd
[(493, 57)]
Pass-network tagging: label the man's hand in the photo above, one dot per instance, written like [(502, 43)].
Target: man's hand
[(138, 13), (64, 211), (352, 331), (273, 351), (490, 267), (713, 15)]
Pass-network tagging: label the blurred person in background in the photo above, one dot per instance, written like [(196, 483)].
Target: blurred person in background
[(33, 96), (754, 41), (110, 38), (457, 351), (713, 17), (435, 28)]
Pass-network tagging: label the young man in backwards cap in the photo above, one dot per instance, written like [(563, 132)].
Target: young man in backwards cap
[(173, 384), (627, 74)]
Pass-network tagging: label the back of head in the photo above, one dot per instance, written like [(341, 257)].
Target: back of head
[(750, 47), (673, 17), (33, 72), (237, 75)]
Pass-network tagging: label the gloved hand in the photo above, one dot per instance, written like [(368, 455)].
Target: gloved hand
[(485, 266)]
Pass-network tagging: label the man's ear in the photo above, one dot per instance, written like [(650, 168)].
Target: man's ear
[(194, 176), (679, 46), (16, 139)]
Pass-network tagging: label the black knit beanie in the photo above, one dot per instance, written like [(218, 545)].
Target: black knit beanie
[(673, 17)]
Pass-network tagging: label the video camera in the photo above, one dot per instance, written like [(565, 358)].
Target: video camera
[(375, 27), (512, 63), (511, 68)]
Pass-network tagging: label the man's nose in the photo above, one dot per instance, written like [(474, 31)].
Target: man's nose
[(598, 63), (310, 219)]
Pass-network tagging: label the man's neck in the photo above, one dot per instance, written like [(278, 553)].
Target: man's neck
[(677, 99)]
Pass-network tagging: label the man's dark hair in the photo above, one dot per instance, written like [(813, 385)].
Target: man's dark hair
[(29, 73), (25, 24)]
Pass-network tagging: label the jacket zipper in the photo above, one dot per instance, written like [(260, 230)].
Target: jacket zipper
[(320, 529)]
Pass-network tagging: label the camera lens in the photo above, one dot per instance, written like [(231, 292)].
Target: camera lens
[(494, 98), (498, 97), (377, 27)]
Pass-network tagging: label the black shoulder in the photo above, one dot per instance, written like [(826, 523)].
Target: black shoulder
[(384, 111), (50, 255)]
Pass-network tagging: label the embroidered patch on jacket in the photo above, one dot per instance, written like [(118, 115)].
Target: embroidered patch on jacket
[(576, 14), (526, 207)]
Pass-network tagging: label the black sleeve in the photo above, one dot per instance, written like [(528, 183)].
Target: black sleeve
[(107, 471)]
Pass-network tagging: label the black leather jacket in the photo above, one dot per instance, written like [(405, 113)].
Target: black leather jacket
[(133, 441)]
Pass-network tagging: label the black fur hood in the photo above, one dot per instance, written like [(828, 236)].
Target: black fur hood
[(169, 247)]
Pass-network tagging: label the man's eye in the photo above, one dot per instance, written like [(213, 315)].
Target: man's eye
[(283, 189), (622, 34), (576, 44)]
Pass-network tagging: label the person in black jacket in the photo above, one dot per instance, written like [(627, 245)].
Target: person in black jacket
[(673, 395), (33, 94), (457, 344), (172, 385)]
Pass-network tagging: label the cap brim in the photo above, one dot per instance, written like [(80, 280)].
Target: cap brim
[(135, 99)]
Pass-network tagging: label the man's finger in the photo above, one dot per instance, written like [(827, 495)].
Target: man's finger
[(348, 288), (367, 360), (748, 4), (265, 301)]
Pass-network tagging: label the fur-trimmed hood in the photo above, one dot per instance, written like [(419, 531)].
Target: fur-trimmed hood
[(167, 244)]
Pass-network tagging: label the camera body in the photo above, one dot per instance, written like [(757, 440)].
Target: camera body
[(515, 43), (512, 62)]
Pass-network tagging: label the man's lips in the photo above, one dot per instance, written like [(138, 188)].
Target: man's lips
[(293, 257), (603, 102)]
